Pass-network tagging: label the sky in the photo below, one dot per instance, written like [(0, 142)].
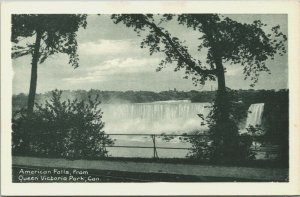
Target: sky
[(111, 59)]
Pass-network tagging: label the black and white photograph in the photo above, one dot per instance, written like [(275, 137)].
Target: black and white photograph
[(149, 97)]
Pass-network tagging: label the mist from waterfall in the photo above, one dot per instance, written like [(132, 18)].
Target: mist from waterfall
[(164, 117), (156, 117)]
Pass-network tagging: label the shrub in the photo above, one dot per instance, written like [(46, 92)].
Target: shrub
[(70, 129), (223, 144)]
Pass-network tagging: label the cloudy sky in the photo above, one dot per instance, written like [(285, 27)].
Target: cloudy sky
[(111, 59)]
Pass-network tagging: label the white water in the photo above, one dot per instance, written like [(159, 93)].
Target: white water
[(156, 117), (164, 117), (255, 113)]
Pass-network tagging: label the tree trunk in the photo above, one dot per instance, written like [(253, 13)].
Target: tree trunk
[(34, 65), (222, 129), (220, 75)]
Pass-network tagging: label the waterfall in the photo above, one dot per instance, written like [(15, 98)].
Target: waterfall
[(255, 114), (164, 117), (156, 117)]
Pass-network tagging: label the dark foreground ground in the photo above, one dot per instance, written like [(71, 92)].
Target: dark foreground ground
[(25, 174)]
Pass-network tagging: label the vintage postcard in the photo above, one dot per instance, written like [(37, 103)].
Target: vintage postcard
[(150, 98)]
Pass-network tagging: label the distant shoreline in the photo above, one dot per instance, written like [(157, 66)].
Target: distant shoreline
[(247, 96)]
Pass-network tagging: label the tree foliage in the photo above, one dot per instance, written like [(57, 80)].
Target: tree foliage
[(58, 34), (226, 40), (70, 129)]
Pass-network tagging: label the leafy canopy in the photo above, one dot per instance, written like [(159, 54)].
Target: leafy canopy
[(58, 34), (234, 42), (70, 129)]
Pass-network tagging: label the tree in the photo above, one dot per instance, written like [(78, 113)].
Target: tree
[(226, 40), (69, 129), (54, 33)]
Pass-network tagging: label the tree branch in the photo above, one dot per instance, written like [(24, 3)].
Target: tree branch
[(191, 64)]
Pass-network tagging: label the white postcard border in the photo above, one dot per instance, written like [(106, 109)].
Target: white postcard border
[(105, 7)]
